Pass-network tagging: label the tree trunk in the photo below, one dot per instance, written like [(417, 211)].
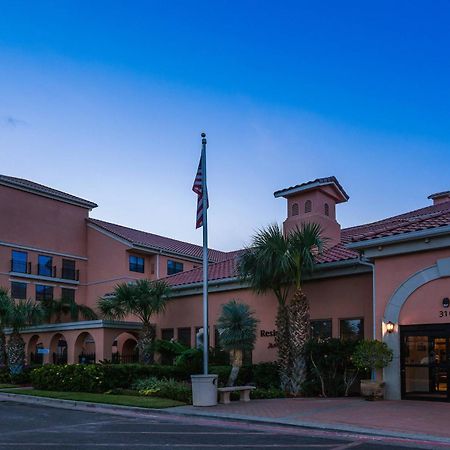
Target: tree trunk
[(16, 353), (3, 355), (282, 341), (236, 362), (299, 333), (144, 345)]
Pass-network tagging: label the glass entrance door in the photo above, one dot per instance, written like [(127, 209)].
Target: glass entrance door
[(425, 364)]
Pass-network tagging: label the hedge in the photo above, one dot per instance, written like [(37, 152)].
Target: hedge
[(104, 377)]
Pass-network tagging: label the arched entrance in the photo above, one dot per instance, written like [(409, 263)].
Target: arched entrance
[(58, 349), (420, 346), (85, 349), (124, 349), (33, 356)]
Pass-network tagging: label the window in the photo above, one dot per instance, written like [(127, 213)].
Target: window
[(321, 329), (19, 261), (308, 206), (167, 334), (184, 336), (68, 294), (352, 329), (68, 269), (136, 264), (18, 290), (45, 264), (44, 292), (174, 267), (295, 209), (327, 209)]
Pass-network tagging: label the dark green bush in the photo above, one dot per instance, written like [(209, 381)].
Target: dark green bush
[(100, 377), (174, 390), (106, 377), (330, 368), (21, 378)]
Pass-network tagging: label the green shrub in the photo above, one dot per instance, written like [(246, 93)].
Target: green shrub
[(267, 393), (165, 388), (106, 377), (100, 377), (331, 371), (372, 354)]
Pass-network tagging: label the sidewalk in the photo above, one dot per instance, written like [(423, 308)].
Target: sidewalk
[(406, 419)]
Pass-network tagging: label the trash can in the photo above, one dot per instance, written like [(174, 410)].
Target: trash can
[(204, 390)]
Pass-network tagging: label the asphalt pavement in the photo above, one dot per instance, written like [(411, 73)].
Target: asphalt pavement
[(25, 426)]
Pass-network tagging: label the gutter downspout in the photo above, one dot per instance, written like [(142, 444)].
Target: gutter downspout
[(364, 262), (157, 265)]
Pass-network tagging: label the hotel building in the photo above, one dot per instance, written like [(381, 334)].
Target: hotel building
[(389, 279)]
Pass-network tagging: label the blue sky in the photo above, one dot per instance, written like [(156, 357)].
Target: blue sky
[(107, 100)]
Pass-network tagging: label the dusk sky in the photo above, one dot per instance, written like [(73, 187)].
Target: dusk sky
[(107, 100)]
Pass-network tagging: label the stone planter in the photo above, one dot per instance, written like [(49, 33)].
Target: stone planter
[(372, 389)]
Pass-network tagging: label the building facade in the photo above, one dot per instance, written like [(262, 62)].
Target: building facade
[(389, 279)]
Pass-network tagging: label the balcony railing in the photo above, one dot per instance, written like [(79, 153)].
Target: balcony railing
[(44, 270)]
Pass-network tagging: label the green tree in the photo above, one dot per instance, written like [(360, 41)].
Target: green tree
[(237, 333), (56, 309), (142, 299), (277, 263), (6, 305), (24, 313), (267, 267)]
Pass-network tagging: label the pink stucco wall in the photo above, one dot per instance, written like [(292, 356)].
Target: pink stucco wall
[(392, 272), (336, 298)]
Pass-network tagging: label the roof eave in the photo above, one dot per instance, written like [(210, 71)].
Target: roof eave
[(403, 237), (77, 202)]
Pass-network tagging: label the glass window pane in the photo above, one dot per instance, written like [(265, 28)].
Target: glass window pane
[(136, 263), (321, 329), (19, 261), (174, 267), (352, 329), (68, 269), (18, 290), (184, 336), (45, 265), (44, 292), (68, 294), (167, 334)]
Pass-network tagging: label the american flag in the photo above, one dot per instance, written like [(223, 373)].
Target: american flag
[(198, 189)]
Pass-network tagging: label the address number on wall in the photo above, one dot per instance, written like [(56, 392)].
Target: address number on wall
[(444, 313)]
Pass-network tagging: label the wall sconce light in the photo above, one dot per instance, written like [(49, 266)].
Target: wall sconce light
[(390, 327)]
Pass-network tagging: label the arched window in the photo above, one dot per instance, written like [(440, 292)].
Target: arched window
[(308, 206), (327, 209), (295, 209)]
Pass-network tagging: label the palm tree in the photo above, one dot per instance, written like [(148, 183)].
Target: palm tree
[(24, 313), (274, 262), (58, 308), (237, 333), (267, 266), (304, 243), (143, 299), (6, 304)]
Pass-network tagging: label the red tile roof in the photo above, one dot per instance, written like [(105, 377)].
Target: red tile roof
[(157, 242), (421, 219), (40, 189)]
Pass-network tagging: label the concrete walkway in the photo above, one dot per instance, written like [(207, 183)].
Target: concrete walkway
[(407, 419)]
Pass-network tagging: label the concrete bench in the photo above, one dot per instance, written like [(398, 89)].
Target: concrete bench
[(244, 392)]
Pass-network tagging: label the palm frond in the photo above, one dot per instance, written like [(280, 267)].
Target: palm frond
[(237, 327)]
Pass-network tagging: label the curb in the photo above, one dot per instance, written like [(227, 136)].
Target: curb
[(76, 405)]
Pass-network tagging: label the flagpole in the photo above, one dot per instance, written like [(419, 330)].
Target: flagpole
[(205, 258)]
